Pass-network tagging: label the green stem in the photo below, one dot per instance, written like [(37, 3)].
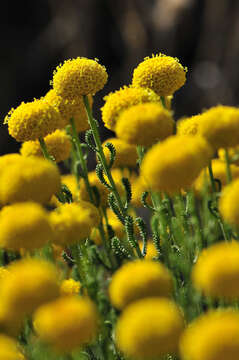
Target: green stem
[(140, 152), (228, 169), (45, 151), (211, 177)]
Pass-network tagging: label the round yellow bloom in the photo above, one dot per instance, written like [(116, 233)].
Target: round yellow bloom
[(163, 74), (24, 225), (213, 336), (70, 287), (219, 172), (58, 145), (78, 77), (10, 349), (70, 109), (67, 323), (73, 222), (216, 272), (175, 163), (28, 179), (121, 100), (30, 121), (149, 328), (151, 250), (229, 203), (233, 153), (144, 124), (189, 126), (126, 154), (139, 279)]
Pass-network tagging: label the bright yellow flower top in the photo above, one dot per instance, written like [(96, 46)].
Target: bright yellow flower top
[(70, 109), (189, 126), (24, 225), (30, 121), (73, 222), (229, 203), (233, 153), (77, 77), (58, 145), (144, 124), (212, 336), (163, 74), (70, 287), (10, 349), (28, 179), (121, 100), (126, 154), (175, 163), (149, 328), (139, 279), (67, 323), (216, 272)]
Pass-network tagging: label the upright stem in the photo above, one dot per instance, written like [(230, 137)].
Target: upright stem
[(211, 177), (45, 151), (228, 169)]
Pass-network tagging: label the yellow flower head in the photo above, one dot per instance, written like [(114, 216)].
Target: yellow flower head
[(163, 74), (67, 323), (144, 124), (24, 225), (216, 272), (151, 250), (126, 154), (77, 77), (175, 163), (28, 179), (139, 279), (212, 336), (30, 121), (189, 126), (73, 222), (70, 287), (149, 328), (121, 100), (138, 186), (233, 153), (70, 109), (10, 349), (229, 203), (58, 145)]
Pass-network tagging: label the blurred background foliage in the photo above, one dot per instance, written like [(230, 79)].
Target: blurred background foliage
[(37, 35)]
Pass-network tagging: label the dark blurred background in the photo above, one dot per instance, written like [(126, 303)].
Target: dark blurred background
[(37, 35)]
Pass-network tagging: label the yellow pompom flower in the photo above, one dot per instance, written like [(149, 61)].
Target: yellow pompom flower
[(233, 153), (70, 287), (212, 336), (28, 179), (77, 77), (24, 225), (123, 99), (216, 272), (67, 323), (73, 222), (229, 203), (58, 145), (151, 250), (144, 124), (126, 154), (175, 163), (139, 279), (10, 349), (163, 74), (30, 121), (149, 328), (70, 109), (189, 126)]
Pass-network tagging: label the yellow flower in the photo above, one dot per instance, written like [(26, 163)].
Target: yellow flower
[(139, 279), (233, 153), (149, 328), (126, 154), (70, 287), (28, 179), (77, 77), (144, 124), (70, 109), (212, 336), (10, 349), (58, 145), (67, 323), (24, 225), (73, 222), (121, 100), (151, 250), (216, 272), (229, 203), (138, 186), (30, 121), (175, 163), (70, 181), (189, 126), (163, 74)]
